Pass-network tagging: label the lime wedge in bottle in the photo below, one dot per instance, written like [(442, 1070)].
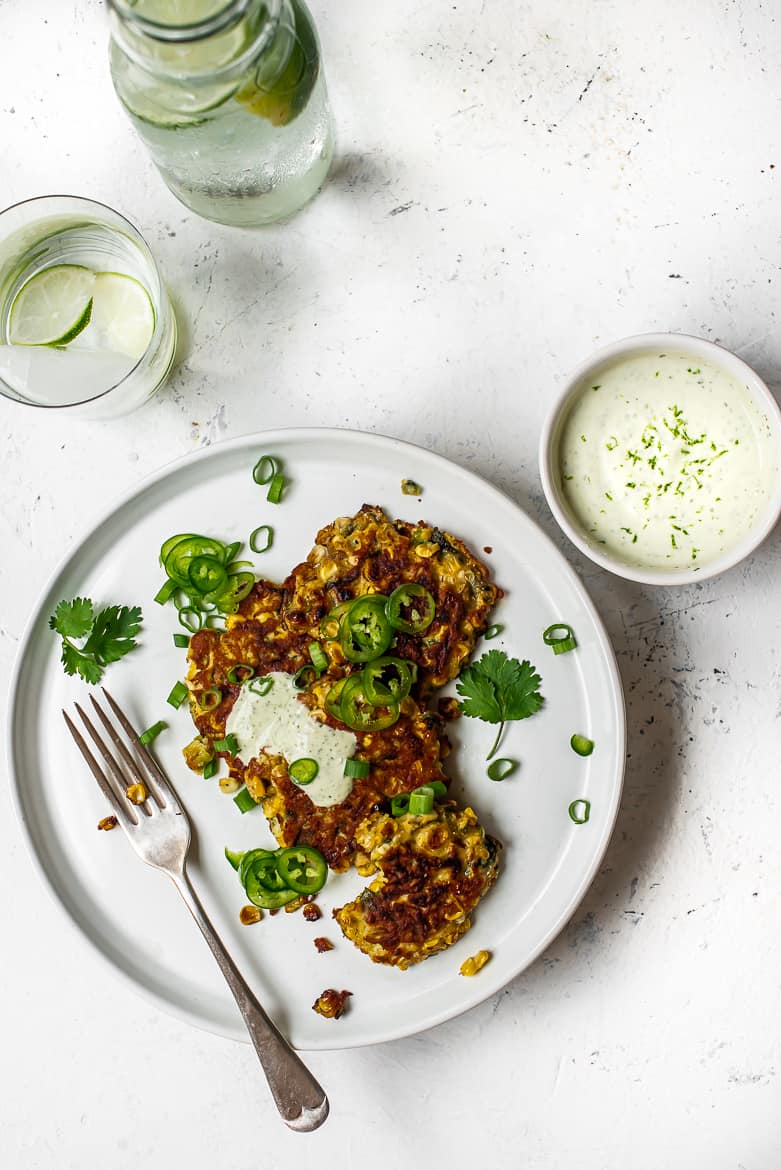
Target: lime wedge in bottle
[(123, 319), (53, 307)]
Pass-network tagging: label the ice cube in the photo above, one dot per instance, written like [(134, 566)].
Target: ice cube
[(61, 377)]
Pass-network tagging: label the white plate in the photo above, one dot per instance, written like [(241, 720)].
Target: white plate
[(133, 916)]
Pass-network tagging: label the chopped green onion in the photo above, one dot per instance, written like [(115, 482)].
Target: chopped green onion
[(560, 637), (181, 640), (265, 469), (400, 805), (564, 645), (261, 686), (152, 732), (356, 769), (579, 811), (266, 531), (421, 801), (210, 769), (230, 745), (209, 699), (233, 857), (318, 656), (244, 802), (230, 553), (582, 745), (178, 694), (233, 674), (493, 631), (501, 769), (191, 618), (303, 771), (275, 490), (437, 787), (303, 676), (165, 592)]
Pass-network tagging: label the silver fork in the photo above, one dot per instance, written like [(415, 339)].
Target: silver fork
[(159, 830)]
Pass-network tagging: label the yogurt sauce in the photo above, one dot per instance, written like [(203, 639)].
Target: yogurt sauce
[(280, 723), (666, 462)]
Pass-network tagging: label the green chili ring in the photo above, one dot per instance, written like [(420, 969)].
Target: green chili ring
[(379, 688), (358, 713), (302, 869), (365, 632), (422, 613)]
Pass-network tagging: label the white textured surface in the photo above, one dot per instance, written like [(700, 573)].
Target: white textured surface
[(517, 183)]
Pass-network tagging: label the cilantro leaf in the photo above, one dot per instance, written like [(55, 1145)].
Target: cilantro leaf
[(109, 635), (77, 663), (497, 689), (72, 619), (112, 633)]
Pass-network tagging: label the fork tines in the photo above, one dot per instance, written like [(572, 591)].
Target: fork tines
[(128, 764)]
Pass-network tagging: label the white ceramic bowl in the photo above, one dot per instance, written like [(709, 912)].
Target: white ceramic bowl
[(588, 372)]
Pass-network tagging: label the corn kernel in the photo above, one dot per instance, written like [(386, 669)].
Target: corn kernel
[(109, 822), (136, 793), (229, 784), (473, 964), (249, 915)]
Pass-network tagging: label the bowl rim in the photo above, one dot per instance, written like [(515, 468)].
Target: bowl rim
[(638, 343)]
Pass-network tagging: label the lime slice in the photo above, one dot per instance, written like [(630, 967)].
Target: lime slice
[(186, 82), (53, 307), (281, 98), (179, 13), (123, 318)]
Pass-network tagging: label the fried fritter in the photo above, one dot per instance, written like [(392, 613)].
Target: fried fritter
[(433, 870), (256, 636), (402, 756), (369, 553)]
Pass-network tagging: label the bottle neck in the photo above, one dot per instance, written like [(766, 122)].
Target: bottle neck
[(219, 36)]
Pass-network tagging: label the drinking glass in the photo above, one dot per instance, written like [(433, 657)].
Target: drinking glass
[(85, 320)]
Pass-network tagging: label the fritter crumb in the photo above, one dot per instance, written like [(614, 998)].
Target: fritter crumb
[(322, 945), (296, 904), (109, 822), (448, 708), (312, 912), (331, 1003), (248, 915)]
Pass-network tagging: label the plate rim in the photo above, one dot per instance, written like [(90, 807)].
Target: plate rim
[(484, 989)]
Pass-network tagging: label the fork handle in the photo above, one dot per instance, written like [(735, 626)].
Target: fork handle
[(299, 1098)]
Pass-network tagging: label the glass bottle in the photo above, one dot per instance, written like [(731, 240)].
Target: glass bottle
[(230, 99)]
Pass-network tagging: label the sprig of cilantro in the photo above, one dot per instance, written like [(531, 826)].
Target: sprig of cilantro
[(498, 689), (109, 635)]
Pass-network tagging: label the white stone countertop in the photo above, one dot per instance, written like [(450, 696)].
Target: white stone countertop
[(517, 182)]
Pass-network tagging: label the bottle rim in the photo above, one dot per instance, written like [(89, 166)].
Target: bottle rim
[(227, 14)]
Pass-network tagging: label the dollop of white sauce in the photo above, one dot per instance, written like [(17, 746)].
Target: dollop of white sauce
[(666, 462), (280, 723)]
